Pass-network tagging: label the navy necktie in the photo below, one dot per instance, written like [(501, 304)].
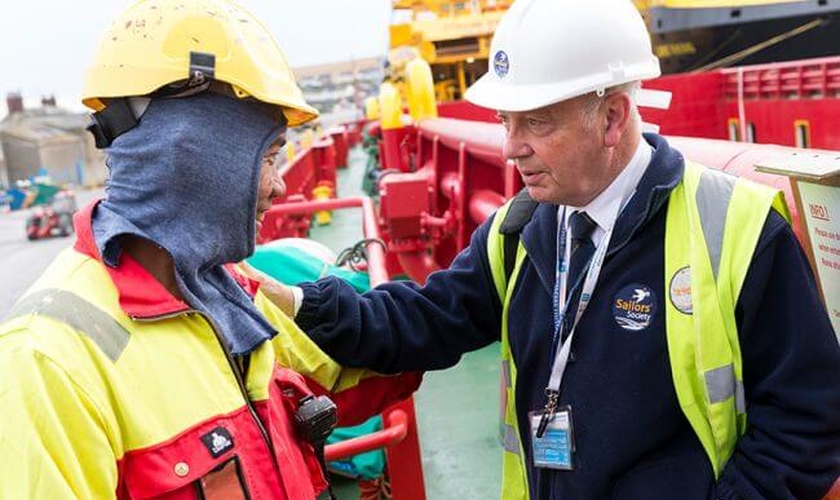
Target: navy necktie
[(582, 248)]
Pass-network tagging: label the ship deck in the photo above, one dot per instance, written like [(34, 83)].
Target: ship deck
[(457, 409)]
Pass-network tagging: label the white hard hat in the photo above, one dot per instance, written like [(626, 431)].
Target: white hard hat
[(547, 51)]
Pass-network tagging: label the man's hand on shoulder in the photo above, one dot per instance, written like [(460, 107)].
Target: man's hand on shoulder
[(278, 293)]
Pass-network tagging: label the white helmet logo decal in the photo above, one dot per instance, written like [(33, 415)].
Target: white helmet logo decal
[(501, 64)]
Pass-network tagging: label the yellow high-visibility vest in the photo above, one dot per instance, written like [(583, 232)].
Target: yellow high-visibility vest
[(723, 217)]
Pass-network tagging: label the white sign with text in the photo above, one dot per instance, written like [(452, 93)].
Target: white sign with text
[(821, 207)]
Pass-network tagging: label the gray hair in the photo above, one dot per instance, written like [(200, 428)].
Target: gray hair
[(593, 101)]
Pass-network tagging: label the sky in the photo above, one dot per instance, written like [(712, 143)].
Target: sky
[(45, 45)]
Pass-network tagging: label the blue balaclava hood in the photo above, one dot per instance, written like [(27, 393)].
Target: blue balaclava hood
[(187, 178)]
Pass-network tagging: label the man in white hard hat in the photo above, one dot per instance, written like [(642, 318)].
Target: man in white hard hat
[(143, 364), (661, 332)]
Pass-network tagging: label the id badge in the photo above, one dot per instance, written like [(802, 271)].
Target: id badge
[(554, 450)]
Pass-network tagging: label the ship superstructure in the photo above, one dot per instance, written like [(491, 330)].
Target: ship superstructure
[(700, 35)]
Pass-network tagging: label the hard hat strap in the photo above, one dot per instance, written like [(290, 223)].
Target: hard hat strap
[(202, 67), (200, 77), (108, 124)]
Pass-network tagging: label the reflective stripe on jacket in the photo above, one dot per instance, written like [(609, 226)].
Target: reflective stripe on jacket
[(723, 217)]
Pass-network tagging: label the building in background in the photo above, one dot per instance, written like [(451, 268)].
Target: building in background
[(51, 139), (339, 90)]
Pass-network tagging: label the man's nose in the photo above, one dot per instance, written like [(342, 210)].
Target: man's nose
[(514, 147)]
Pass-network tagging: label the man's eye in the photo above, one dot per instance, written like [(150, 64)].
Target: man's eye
[(533, 122), (271, 157)]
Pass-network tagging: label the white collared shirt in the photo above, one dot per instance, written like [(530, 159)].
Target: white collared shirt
[(602, 209)]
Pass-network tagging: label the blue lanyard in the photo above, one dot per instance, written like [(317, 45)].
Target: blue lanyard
[(562, 349), (562, 293), (561, 356), (561, 271)]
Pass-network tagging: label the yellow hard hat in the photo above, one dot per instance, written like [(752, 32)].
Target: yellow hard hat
[(157, 44)]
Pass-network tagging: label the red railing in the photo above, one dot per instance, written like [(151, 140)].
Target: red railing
[(785, 80), (281, 217), (310, 167), (394, 431)]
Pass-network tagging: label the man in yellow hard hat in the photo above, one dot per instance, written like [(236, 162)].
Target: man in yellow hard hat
[(142, 364)]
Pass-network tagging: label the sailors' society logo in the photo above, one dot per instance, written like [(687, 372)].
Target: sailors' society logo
[(634, 307), (501, 64)]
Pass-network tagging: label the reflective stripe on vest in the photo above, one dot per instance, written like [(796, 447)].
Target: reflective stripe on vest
[(724, 217)]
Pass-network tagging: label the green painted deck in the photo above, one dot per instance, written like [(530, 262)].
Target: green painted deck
[(457, 409)]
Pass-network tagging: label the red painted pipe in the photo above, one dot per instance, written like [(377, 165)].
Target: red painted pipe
[(432, 221), (483, 203), (405, 466), (482, 140), (392, 140), (308, 207), (418, 265), (378, 273), (394, 431)]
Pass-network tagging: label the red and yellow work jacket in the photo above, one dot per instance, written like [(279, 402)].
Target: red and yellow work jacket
[(112, 388)]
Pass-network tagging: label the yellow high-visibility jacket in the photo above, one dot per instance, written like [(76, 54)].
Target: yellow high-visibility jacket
[(112, 388)]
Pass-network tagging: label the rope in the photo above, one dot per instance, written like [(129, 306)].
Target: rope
[(357, 254), (733, 58), (375, 489)]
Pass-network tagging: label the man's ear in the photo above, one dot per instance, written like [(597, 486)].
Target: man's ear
[(618, 108)]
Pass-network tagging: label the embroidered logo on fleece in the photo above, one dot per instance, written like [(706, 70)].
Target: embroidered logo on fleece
[(634, 307)]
